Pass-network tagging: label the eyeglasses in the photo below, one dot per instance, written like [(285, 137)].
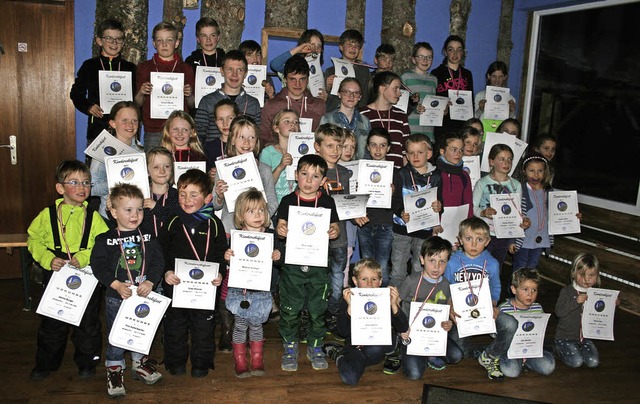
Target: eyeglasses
[(423, 57), (351, 94), (77, 184), (109, 39)]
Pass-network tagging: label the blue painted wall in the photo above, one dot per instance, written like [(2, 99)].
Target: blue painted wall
[(432, 20)]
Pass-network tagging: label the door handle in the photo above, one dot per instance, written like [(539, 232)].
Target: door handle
[(12, 147)]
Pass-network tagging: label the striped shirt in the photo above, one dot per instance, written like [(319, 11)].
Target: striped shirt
[(423, 84), (395, 122), (508, 308)]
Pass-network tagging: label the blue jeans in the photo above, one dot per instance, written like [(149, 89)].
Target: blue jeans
[(506, 327), (513, 367), (351, 366), (404, 247), (375, 242), (576, 353), (413, 366), (337, 263), (526, 258), (115, 355)]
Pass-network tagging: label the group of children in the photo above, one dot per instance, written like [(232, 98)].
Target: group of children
[(134, 241)]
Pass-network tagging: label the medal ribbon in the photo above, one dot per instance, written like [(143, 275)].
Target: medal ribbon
[(63, 227), (469, 280), (193, 248)]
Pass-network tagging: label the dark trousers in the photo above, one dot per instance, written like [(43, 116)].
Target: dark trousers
[(351, 366), (86, 338), (178, 324)]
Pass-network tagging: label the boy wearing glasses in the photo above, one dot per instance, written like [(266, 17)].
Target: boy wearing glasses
[(421, 83), (207, 35), (85, 92), (234, 70), (65, 233), (165, 40)]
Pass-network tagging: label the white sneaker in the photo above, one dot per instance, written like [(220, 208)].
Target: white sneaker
[(146, 370), (115, 381)]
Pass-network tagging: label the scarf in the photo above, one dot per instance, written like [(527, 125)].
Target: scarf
[(193, 220)]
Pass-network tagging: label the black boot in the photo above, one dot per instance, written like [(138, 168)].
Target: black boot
[(226, 321)]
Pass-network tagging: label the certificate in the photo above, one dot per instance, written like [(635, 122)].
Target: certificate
[(208, 80), (428, 338), (300, 144), (67, 294), (352, 167), (421, 214), (497, 105), (107, 145), (251, 264), (375, 178), (517, 145), (350, 206), (343, 70), (316, 78), (474, 307), (563, 208), (403, 101), (181, 167), (308, 237), (529, 338), (434, 110), (240, 173), (461, 107), (254, 82), (195, 290), (598, 313), (306, 125), (450, 221), (370, 316), (114, 86), (507, 220), (137, 321), (128, 169), (471, 164), (167, 94)]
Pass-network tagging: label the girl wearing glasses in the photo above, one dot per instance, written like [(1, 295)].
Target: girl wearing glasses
[(421, 83)]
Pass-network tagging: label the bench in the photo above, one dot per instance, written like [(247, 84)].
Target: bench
[(19, 240)]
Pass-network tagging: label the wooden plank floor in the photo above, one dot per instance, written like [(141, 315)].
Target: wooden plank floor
[(612, 382)]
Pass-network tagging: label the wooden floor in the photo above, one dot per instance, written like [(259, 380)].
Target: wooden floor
[(613, 382)]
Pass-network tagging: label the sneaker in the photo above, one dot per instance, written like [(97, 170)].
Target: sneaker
[(333, 350), (146, 370), (115, 381), (317, 358), (290, 357), (436, 363), (492, 365), (392, 363)]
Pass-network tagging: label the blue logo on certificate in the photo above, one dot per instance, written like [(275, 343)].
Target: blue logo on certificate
[(115, 87), (435, 103), (142, 310), (497, 98), (239, 173), (74, 282), (460, 101), (210, 80), (370, 308), (599, 306), (303, 149), (251, 250), (428, 322), (421, 202), (506, 209), (344, 70), (312, 69), (127, 173), (196, 273), (528, 326), (167, 89), (350, 173), (308, 228), (375, 177), (110, 151), (252, 80), (471, 299), (562, 206)]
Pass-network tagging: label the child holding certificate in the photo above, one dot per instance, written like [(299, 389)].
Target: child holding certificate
[(197, 234), (305, 284), (179, 136), (524, 286), (457, 188), (58, 237), (427, 286), (421, 83), (251, 308), (497, 76), (352, 360), (224, 112), (474, 263), (124, 125), (124, 257), (572, 349), (163, 203)]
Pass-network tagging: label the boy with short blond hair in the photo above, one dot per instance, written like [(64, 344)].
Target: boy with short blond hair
[(207, 36), (166, 60), (65, 233), (305, 284), (123, 257), (472, 261), (351, 41)]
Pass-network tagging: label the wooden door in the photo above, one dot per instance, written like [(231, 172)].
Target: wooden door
[(36, 74)]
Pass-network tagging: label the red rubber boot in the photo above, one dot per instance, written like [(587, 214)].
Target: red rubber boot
[(257, 362), (240, 360)]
